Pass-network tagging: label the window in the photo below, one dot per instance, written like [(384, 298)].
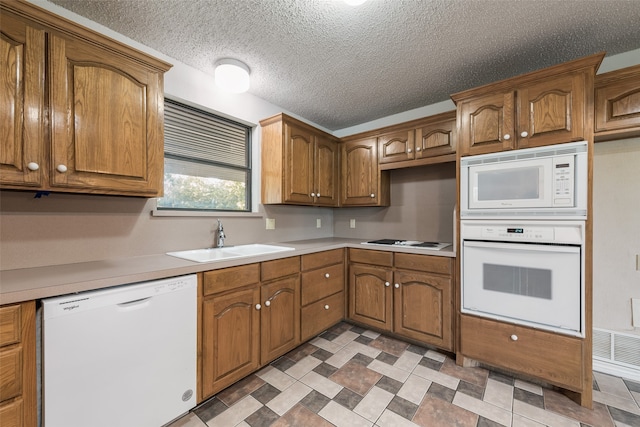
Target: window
[(207, 161)]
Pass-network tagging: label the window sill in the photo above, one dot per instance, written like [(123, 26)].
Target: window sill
[(220, 214)]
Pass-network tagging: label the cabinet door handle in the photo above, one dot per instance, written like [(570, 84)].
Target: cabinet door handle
[(61, 168), (33, 166), (387, 284), (373, 195), (258, 306), (326, 275), (397, 286), (524, 134), (507, 136), (409, 150), (418, 148), (514, 337), (313, 194), (267, 303), (317, 194), (326, 307)]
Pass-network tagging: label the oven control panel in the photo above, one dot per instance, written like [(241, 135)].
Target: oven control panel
[(517, 233)]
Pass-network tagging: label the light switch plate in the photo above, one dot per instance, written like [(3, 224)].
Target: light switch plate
[(635, 309), (318, 223), (352, 223), (271, 223)]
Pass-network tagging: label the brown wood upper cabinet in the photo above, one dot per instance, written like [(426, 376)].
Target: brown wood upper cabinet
[(100, 130), (544, 107), (362, 183), (617, 104), (300, 164), (423, 141)]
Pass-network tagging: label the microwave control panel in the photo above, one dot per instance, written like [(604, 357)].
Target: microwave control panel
[(563, 180)]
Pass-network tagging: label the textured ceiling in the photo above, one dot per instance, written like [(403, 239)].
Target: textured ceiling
[(339, 66)]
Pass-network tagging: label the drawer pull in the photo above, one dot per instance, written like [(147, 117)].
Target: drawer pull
[(514, 337), (33, 166), (326, 307), (524, 134), (258, 306), (397, 286), (326, 275), (387, 284)]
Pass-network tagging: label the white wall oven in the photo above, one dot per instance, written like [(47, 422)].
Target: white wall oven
[(535, 183), (525, 272)]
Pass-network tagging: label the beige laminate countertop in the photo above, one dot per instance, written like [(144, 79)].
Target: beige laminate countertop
[(42, 282)]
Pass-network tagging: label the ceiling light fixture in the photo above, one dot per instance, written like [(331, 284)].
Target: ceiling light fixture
[(354, 2), (232, 75)]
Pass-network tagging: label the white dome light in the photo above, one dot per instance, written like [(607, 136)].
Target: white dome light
[(232, 75)]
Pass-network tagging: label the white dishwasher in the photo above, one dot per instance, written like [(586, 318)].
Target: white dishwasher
[(123, 356)]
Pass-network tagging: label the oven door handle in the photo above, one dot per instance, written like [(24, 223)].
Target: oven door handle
[(531, 247)]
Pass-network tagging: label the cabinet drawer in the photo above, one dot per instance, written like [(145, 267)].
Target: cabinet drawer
[(10, 373), (432, 264), (10, 325), (230, 278), (320, 259), (279, 268), (550, 357), (367, 256), (322, 282), (321, 315), (11, 414)]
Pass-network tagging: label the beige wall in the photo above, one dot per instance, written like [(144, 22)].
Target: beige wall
[(422, 203), (70, 228), (616, 233)]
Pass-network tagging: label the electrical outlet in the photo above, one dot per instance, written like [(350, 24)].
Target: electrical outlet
[(271, 223), (352, 223), (318, 223)]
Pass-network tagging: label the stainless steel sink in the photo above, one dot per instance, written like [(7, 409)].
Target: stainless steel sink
[(229, 252)]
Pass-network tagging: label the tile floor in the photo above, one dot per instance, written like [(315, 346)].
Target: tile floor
[(352, 377)]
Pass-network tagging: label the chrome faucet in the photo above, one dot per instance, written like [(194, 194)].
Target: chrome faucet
[(221, 235)]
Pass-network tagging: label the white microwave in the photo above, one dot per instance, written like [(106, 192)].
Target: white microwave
[(542, 182)]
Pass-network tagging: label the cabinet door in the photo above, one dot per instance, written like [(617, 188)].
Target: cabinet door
[(280, 319), (327, 172), (298, 176), (370, 296), (422, 308), (396, 146), (436, 139), (487, 124), (551, 111), (21, 103), (617, 103), (106, 122), (361, 180), (231, 338)]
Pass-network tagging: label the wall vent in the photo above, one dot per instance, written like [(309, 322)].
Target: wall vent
[(617, 348)]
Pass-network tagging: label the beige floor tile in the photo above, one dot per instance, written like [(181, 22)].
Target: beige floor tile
[(321, 384), (342, 417), (437, 377), (542, 416), (237, 413), (431, 354), (408, 361), (612, 385), (371, 334), (288, 398), (326, 344), (303, 367), (628, 405), (276, 377), (520, 421), (498, 394), (357, 347), (524, 385), (414, 389), (388, 370), (494, 413), (373, 404), (340, 358), (391, 419), (345, 338)]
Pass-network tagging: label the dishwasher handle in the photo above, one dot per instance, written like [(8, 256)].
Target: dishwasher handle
[(134, 304)]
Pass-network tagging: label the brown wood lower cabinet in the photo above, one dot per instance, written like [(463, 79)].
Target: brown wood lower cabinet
[(250, 316), (408, 294), (554, 358), (18, 365), (322, 292)]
